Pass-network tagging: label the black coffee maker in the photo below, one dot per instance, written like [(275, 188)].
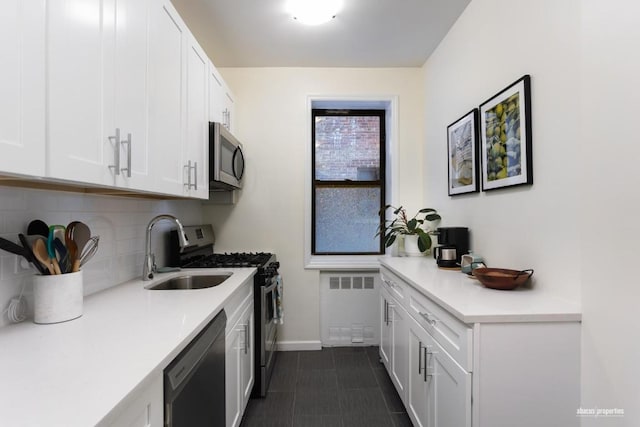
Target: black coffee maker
[(454, 242)]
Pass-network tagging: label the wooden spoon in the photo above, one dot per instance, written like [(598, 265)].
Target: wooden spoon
[(42, 255), (72, 248)]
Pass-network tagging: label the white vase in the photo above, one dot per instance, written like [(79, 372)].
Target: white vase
[(410, 244)]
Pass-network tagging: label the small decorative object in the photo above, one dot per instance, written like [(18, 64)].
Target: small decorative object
[(505, 132), (401, 225), (501, 278), (462, 154)]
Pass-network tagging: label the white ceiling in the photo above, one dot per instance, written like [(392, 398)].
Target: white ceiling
[(366, 33)]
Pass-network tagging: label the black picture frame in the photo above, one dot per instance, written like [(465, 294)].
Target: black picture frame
[(462, 155), (505, 134)]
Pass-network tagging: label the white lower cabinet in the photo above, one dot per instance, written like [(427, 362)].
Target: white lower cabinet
[(487, 374), (239, 366), (144, 408), (393, 336), (439, 390)]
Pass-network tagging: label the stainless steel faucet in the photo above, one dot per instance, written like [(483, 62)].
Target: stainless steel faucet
[(149, 267)]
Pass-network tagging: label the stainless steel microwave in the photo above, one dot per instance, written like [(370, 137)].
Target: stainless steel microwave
[(226, 159)]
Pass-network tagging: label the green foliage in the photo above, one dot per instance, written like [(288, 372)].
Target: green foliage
[(403, 225)]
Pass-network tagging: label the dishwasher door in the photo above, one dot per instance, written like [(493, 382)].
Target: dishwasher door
[(194, 383)]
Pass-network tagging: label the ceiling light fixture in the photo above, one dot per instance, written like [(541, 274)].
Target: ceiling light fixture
[(314, 12)]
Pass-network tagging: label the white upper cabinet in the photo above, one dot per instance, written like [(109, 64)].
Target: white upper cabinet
[(97, 90), (167, 84), (228, 112), (109, 93), (196, 147), (130, 88), (77, 48), (22, 103), (221, 100), (216, 94)]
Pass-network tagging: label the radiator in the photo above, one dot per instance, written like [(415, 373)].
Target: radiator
[(349, 308)]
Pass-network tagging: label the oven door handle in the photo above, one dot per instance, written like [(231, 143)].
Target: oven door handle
[(267, 289)]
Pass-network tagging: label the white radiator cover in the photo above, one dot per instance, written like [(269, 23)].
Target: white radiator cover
[(349, 313)]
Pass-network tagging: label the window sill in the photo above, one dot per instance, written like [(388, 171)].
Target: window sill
[(342, 262)]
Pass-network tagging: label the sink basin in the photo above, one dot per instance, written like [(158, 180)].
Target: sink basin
[(190, 282)]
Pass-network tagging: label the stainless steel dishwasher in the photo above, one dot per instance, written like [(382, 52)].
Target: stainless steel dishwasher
[(194, 389)]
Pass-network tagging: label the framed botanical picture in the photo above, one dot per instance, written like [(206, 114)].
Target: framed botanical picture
[(505, 130), (462, 154)]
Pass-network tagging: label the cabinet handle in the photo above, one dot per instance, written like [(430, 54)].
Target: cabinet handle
[(384, 315), (128, 168), (195, 175), (427, 317), (188, 167), (419, 357), (246, 338), (389, 306), (427, 375), (116, 148)]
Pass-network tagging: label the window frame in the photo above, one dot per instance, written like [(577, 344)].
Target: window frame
[(380, 183)]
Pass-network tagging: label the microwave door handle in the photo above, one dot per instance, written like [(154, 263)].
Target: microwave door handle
[(238, 151)]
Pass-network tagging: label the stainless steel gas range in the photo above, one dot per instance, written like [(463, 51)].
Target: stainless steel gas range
[(200, 254)]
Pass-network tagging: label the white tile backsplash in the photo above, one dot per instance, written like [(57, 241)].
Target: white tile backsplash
[(120, 222)]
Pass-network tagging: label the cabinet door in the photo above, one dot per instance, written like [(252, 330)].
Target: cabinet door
[(167, 84), (22, 104), (399, 343), (216, 94), (229, 109), (449, 388), (247, 357), (234, 344), (79, 59), (196, 149), (417, 380), (385, 330), (144, 409), (130, 109)]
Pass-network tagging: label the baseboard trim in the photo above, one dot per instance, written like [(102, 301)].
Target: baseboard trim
[(299, 345)]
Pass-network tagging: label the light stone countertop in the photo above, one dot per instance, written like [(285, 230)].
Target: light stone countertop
[(469, 301), (74, 373)]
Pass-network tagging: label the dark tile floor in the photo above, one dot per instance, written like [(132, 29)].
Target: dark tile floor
[(334, 387)]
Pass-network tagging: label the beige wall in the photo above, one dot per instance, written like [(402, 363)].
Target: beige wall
[(577, 225), (271, 118), (491, 45)]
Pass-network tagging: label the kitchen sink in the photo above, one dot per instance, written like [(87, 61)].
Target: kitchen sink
[(190, 282)]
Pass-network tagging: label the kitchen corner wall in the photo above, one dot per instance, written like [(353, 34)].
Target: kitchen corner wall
[(577, 226), (120, 222), (271, 118)]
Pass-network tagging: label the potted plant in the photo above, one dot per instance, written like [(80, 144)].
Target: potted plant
[(411, 229)]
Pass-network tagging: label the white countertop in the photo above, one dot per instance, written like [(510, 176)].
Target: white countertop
[(468, 300), (74, 373)]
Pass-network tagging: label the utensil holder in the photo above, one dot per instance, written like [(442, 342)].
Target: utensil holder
[(57, 298)]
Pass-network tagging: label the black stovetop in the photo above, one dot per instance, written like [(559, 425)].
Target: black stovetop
[(229, 260)]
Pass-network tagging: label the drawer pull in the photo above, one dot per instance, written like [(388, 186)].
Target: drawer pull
[(431, 320)]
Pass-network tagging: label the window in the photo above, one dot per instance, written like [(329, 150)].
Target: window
[(348, 181)]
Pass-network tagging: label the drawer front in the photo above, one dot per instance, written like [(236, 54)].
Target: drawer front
[(453, 335), (396, 287), (236, 304)]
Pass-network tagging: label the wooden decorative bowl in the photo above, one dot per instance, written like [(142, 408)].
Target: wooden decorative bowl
[(502, 278)]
